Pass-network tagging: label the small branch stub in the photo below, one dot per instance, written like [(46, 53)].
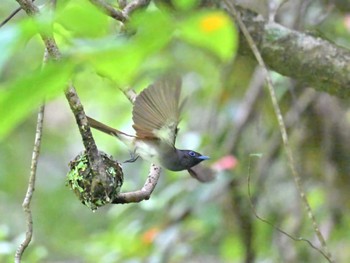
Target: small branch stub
[(95, 191)]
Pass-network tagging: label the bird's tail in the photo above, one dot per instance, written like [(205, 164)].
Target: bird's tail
[(202, 173), (107, 129)]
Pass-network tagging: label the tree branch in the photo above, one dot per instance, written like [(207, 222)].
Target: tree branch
[(109, 10), (144, 193), (31, 186), (94, 157), (309, 59), (120, 15)]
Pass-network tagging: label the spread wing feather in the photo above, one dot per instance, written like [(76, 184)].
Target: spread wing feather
[(157, 110)]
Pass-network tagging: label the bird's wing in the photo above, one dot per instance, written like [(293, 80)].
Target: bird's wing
[(157, 111)]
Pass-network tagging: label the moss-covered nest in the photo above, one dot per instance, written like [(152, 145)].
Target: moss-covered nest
[(95, 191)]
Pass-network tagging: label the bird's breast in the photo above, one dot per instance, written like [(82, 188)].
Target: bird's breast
[(148, 150), (159, 153)]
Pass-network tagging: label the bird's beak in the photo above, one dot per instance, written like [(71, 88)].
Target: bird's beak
[(203, 157)]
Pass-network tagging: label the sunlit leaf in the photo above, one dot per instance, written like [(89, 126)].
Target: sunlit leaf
[(213, 31), (19, 97), (232, 249), (316, 197), (62, 35)]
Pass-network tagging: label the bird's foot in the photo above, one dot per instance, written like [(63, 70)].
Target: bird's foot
[(133, 158)]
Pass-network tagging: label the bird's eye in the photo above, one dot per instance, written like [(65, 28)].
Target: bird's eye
[(193, 154)]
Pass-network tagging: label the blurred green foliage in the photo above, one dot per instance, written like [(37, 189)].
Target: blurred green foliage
[(91, 44), (184, 221)]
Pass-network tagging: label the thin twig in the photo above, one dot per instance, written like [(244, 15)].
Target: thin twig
[(134, 5), (31, 186), (272, 225), (130, 94), (282, 127), (109, 10), (7, 19)]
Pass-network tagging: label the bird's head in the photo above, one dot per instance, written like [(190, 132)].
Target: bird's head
[(189, 158)]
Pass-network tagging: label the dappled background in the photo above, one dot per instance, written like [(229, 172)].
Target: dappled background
[(228, 116)]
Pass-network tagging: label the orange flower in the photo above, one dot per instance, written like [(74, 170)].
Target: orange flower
[(149, 236), (213, 22)]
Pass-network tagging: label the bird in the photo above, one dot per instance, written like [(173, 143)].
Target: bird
[(156, 114)]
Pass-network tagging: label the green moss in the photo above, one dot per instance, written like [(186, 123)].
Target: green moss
[(94, 190)]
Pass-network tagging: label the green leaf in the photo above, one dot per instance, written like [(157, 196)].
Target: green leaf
[(19, 97), (185, 4), (232, 249), (213, 31), (82, 19), (120, 59)]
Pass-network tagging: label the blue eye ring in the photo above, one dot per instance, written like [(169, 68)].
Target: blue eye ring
[(191, 153)]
